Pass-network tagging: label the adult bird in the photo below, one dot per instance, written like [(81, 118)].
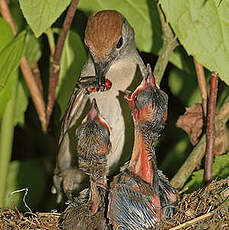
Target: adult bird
[(112, 59), (141, 196), (87, 212)]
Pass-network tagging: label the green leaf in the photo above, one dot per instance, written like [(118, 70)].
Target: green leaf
[(6, 93), (10, 58), (32, 50), (182, 60), (184, 86), (220, 170), (142, 16), (175, 155), (25, 174), (21, 103), (6, 33), (5, 38), (41, 14), (6, 139), (202, 28), (17, 15), (73, 57)]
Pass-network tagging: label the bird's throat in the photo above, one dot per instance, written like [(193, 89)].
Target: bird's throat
[(142, 163)]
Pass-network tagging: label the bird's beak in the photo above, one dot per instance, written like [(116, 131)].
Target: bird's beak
[(149, 78), (101, 69), (94, 115), (94, 111), (127, 94), (129, 98)]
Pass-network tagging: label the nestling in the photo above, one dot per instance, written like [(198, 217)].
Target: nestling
[(87, 212), (142, 196)]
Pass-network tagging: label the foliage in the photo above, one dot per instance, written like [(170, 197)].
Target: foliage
[(201, 27), (41, 14), (220, 170)]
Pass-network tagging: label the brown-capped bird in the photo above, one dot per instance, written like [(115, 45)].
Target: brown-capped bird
[(142, 196), (113, 59), (87, 212)]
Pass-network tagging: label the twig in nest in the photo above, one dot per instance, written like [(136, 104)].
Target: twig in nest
[(199, 218), (210, 132), (25, 194)]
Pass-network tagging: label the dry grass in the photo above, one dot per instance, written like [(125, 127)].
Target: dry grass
[(203, 209)]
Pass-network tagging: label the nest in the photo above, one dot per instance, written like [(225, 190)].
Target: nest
[(203, 209)]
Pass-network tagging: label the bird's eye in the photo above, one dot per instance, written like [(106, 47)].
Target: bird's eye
[(120, 42)]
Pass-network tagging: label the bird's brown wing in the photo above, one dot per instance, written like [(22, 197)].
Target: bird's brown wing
[(65, 177), (74, 109)]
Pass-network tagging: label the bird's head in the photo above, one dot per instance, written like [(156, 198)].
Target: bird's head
[(148, 103), (93, 136), (108, 36)]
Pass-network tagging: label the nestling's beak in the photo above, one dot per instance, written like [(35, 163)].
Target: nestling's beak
[(149, 78), (129, 98), (94, 111), (94, 115)]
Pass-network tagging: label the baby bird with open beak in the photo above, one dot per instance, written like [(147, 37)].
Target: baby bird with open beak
[(142, 196), (93, 146)]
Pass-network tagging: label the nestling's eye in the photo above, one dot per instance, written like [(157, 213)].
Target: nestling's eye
[(119, 44), (136, 102)]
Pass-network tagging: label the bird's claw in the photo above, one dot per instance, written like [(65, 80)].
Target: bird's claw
[(91, 84)]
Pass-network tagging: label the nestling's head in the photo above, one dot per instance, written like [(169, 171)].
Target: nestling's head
[(148, 104), (93, 138)]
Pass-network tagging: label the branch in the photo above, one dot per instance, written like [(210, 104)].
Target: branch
[(27, 73), (198, 152), (210, 132), (169, 44), (7, 16), (37, 76), (56, 59), (34, 91), (202, 84)]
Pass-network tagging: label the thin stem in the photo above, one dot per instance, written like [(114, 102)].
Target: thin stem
[(56, 59), (34, 91), (7, 16), (169, 44), (198, 151), (27, 73), (210, 133), (37, 76), (51, 41), (202, 84)]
